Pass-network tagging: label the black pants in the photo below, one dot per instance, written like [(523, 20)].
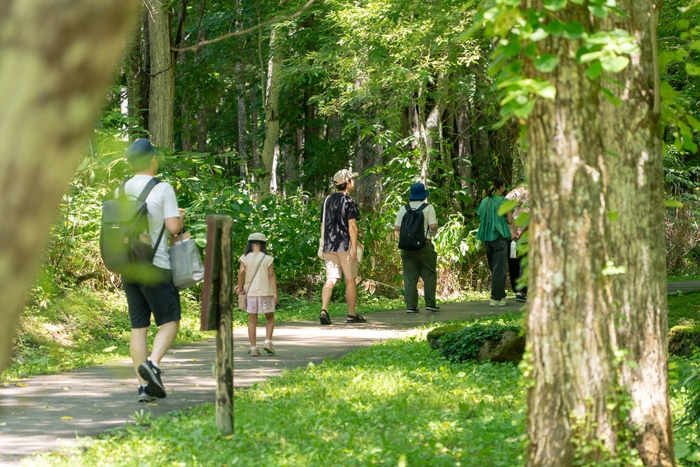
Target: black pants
[(496, 255)]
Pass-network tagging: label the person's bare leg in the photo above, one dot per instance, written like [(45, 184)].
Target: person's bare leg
[(138, 349), (327, 292), (253, 329), (164, 339), (351, 295), (269, 325)]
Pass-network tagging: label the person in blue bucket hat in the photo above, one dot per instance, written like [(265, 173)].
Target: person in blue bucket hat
[(418, 257)]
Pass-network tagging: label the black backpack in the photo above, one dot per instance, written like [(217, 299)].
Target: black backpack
[(125, 240), (412, 233)]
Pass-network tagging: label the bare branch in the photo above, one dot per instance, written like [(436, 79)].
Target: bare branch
[(276, 19)]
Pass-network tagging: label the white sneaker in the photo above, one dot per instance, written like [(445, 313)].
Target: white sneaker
[(501, 302)]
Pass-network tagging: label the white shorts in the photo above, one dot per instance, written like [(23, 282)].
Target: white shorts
[(260, 305)]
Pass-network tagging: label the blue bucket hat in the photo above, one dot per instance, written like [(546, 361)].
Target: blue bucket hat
[(141, 148), (418, 192)]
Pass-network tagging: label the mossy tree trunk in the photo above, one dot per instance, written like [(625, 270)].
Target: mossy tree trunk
[(579, 318), (56, 60)]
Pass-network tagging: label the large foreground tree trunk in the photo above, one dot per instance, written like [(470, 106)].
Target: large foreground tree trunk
[(636, 193), (162, 94), (579, 317), (56, 59)]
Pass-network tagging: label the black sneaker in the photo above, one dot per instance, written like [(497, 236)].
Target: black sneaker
[(433, 308), (411, 310), (144, 396), (151, 373)]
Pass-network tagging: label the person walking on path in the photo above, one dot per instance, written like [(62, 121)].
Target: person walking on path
[(515, 269), (158, 295), (496, 232), (339, 217), (259, 290), (421, 262)]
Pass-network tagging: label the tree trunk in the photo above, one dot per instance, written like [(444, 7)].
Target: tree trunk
[(577, 403), (242, 125), (135, 75), (636, 193), (463, 147), (254, 146), (162, 93), (272, 119), (52, 85)]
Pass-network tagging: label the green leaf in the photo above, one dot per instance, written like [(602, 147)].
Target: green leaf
[(692, 69), (611, 270), (672, 203), (695, 45), (598, 11), (548, 92), (614, 64), (613, 216), (511, 49), (554, 5), (693, 121), (594, 71), (530, 50), (546, 63), (538, 35), (590, 56), (599, 38), (507, 206), (555, 27), (682, 24), (608, 94), (573, 30)]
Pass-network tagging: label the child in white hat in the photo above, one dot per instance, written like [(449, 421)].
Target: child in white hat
[(258, 291)]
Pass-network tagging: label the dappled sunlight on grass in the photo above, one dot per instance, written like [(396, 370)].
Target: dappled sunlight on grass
[(372, 407)]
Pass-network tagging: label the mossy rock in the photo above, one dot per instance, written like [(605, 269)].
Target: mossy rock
[(509, 348), (435, 335), (684, 340)]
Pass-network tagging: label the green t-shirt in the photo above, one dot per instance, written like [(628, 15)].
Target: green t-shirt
[(492, 225)]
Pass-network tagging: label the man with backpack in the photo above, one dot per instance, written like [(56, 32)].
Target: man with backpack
[(134, 244), (416, 224)]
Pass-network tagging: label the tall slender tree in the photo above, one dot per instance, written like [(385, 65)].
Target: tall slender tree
[(162, 93)]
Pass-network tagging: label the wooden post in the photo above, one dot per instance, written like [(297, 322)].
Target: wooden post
[(217, 312)]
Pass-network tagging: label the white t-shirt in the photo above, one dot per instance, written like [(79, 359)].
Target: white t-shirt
[(429, 216), (261, 286), (162, 204)]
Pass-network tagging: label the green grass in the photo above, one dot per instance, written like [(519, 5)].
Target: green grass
[(683, 309), (396, 403)]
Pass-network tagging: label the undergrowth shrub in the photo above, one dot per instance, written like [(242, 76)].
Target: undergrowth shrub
[(464, 345)]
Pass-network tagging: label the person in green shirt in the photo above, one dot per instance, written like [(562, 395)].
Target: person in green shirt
[(496, 231)]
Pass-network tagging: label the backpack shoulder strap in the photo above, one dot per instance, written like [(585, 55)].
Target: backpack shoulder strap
[(147, 189), (422, 206), (120, 192), (408, 207)]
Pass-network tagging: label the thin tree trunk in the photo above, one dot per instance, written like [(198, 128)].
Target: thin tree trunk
[(578, 322), (242, 124), (145, 93), (135, 74), (47, 112), (254, 145), (162, 94), (272, 119), (201, 117), (463, 146), (637, 239)]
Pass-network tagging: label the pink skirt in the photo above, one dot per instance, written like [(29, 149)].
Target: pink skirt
[(260, 305)]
